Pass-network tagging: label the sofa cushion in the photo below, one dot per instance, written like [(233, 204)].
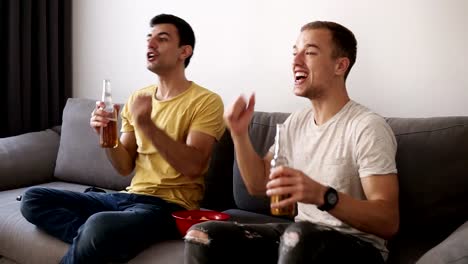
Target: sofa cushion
[(262, 131), (453, 249), (80, 157), (432, 163), (28, 159), (20, 240)]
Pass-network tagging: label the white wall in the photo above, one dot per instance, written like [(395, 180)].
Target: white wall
[(412, 55)]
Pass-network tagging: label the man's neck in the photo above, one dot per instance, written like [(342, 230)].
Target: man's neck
[(171, 85), (329, 105)]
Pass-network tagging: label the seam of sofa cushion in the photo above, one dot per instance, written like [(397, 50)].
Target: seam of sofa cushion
[(255, 123), (433, 130)]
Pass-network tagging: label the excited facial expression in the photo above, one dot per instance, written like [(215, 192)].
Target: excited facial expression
[(313, 64), (164, 53)]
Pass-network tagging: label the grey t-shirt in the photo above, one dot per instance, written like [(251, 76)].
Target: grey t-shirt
[(353, 144)]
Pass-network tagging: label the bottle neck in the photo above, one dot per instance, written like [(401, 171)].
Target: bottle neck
[(279, 158), (107, 96)]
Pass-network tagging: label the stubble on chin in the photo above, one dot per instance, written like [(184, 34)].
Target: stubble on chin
[(152, 68)]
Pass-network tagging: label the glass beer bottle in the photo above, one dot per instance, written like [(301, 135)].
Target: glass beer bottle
[(109, 135), (279, 159)]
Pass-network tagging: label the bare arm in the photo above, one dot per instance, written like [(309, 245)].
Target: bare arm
[(254, 170), (123, 156), (189, 158), (379, 214)]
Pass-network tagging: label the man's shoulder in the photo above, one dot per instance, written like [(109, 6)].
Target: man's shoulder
[(361, 114), (362, 118), (200, 93), (202, 90), (147, 90)]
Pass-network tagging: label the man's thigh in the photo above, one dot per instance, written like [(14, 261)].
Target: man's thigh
[(305, 242), (121, 235), (237, 243)]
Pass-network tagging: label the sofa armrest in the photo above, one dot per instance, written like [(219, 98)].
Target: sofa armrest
[(28, 159), (454, 249)]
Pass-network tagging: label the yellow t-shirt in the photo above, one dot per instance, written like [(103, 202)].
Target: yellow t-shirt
[(196, 109)]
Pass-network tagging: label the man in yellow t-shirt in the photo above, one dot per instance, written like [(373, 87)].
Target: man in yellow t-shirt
[(168, 131), (195, 111)]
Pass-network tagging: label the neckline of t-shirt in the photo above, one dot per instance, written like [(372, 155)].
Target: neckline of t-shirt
[(333, 119), (173, 98)]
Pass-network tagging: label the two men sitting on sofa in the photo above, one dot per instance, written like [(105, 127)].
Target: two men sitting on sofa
[(342, 174), (168, 132), (344, 177)]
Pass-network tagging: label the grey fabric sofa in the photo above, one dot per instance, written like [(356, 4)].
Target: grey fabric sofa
[(432, 160)]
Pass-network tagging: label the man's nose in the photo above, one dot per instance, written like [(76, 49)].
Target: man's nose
[(297, 58), (152, 43)]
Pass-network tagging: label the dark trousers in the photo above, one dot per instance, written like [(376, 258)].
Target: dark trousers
[(101, 227), (287, 243)]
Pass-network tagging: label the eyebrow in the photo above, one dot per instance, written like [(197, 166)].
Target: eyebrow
[(308, 46), (159, 34)]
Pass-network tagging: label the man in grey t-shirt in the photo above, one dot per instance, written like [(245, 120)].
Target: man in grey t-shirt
[(341, 173)]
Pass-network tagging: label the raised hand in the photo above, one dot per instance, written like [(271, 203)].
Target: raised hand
[(239, 114), (141, 109), (100, 118)]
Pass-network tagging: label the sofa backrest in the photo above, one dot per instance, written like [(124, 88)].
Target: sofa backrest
[(80, 158), (432, 163), (218, 181), (28, 159), (262, 131)]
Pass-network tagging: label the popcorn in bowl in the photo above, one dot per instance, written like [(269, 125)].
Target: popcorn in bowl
[(185, 219)]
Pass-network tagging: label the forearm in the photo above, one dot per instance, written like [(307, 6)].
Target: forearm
[(185, 159), (372, 216), (252, 168), (121, 159)]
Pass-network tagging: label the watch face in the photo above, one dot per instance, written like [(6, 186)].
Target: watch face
[(331, 198)]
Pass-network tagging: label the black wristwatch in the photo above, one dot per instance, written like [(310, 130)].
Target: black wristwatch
[(330, 199)]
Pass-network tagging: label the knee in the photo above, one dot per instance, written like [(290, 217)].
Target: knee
[(96, 231), (31, 203), (197, 236), (297, 232), (199, 233)]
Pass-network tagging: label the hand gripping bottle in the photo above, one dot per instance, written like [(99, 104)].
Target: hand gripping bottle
[(109, 134), (279, 159)]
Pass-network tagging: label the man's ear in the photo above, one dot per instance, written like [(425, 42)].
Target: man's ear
[(186, 52), (341, 66)]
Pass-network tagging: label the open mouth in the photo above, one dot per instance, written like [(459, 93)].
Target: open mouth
[(150, 56), (299, 77)]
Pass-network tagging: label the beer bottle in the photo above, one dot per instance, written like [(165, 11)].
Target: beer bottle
[(279, 159), (109, 134)]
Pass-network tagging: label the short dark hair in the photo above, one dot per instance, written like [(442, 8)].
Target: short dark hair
[(186, 35), (345, 44)]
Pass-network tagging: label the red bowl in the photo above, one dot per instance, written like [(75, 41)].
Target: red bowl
[(185, 219)]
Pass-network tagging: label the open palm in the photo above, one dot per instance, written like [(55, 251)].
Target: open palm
[(239, 114)]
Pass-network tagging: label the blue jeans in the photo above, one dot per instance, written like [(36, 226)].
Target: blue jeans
[(101, 227)]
